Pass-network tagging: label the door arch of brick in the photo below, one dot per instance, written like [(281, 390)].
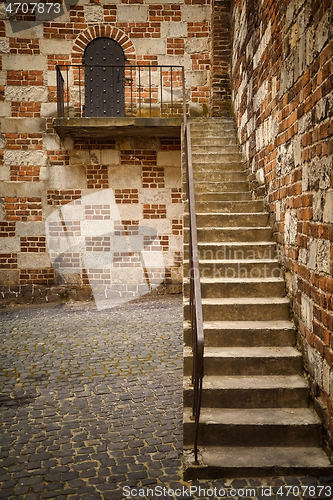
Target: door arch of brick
[(98, 31)]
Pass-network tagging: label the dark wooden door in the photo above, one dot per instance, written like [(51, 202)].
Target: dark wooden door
[(104, 83)]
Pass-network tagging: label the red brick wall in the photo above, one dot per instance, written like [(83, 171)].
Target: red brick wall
[(221, 58), (282, 95)]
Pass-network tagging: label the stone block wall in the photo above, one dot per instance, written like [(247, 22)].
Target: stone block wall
[(143, 174), (283, 102), (40, 173)]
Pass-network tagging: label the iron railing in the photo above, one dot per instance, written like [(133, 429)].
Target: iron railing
[(195, 302), (120, 91)]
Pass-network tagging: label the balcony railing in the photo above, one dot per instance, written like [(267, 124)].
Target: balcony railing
[(120, 91)]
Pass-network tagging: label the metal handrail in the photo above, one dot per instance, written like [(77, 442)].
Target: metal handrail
[(149, 90), (196, 316)]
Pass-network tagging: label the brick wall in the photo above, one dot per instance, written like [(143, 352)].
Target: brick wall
[(221, 58), (282, 95), (40, 173)]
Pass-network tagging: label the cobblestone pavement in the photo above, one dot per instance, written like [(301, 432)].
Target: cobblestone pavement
[(91, 408)]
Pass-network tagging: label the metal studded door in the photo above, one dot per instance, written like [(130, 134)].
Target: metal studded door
[(104, 78)]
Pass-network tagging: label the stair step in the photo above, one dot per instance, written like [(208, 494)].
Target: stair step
[(245, 333), (226, 196), (229, 206), (253, 427), (259, 219), (247, 361), (238, 287), (214, 140), (232, 234), (237, 250), (236, 269), (216, 129), (245, 309), (228, 166), (214, 147), (203, 158), (225, 187), (220, 176), (265, 391), (242, 461)]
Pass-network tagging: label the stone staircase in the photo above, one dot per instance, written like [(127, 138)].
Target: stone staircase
[(255, 417)]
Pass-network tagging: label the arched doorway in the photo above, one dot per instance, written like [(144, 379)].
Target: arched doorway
[(104, 78)]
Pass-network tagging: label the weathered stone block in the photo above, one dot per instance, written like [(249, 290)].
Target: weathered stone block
[(168, 159), (260, 176), (21, 62), (173, 29), (9, 276), (34, 260), (129, 211), (4, 173), (64, 177), (21, 189), (172, 174), (10, 245), (30, 94), (93, 13), (322, 32), (51, 142), (125, 177), (49, 109), (290, 227), (109, 157), (196, 13), (323, 256), (5, 109), (24, 29), (162, 226), (79, 157), (144, 46), (328, 207), (51, 46), (307, 311), (20, 157), (154, 196), (136, 13), (175, 211), (317, 206), (31, 228), (22, 125), (126, 275), (4, 45)]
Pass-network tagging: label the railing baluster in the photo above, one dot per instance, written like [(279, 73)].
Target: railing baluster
[(80, 88), (161, 83), (139, 91), (149, 90), (171, 91), (67, 92), (131, 91)]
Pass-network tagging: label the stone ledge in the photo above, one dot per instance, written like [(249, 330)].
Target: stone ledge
[(110, 127)]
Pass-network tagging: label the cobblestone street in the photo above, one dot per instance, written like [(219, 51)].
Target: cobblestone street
[(91, 407)]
